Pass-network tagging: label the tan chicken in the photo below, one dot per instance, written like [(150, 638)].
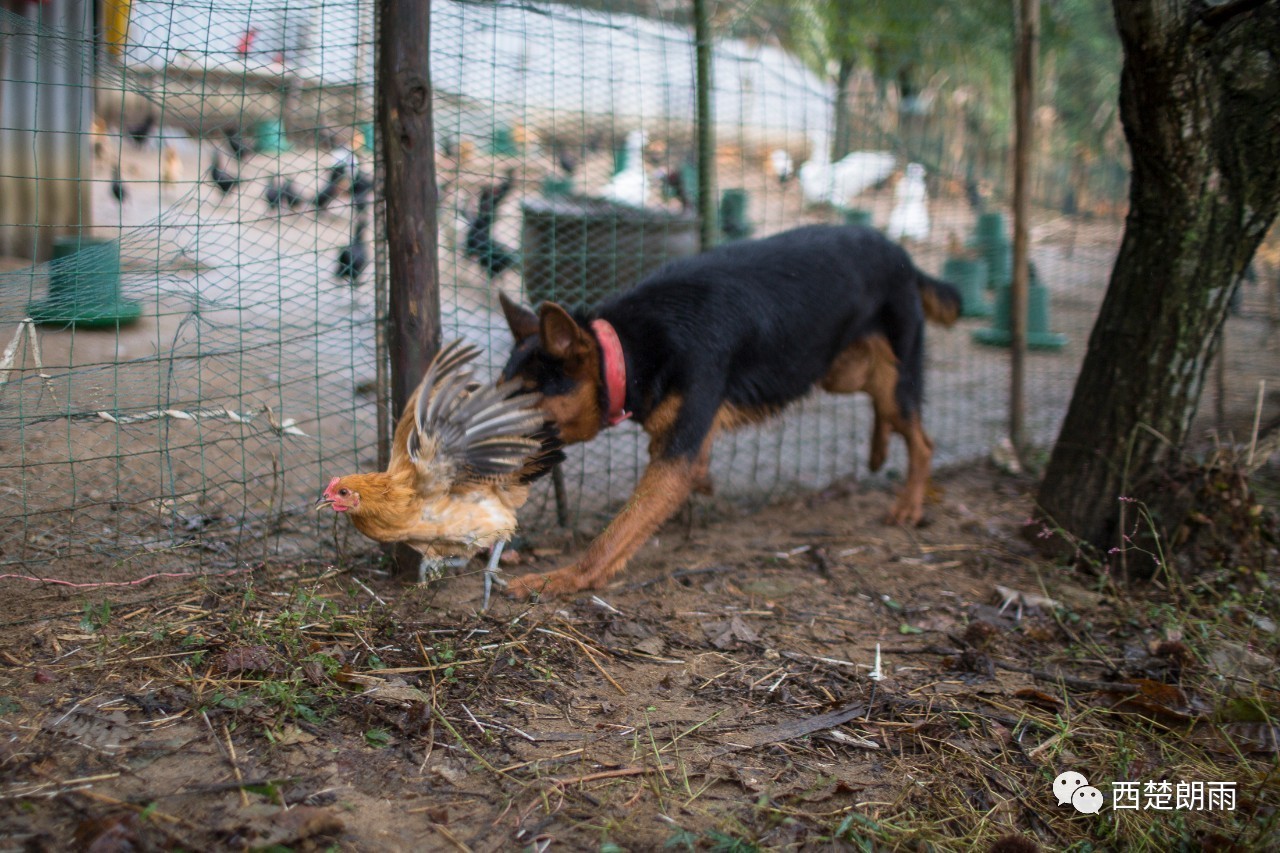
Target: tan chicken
[(462, 459), (171, 166)]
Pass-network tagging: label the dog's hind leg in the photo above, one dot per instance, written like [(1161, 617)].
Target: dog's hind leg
[(908, 509), (870, 365)]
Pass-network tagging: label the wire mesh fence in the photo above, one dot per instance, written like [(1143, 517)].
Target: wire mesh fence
[(194, 284)]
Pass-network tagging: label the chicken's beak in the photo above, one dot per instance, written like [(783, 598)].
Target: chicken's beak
[(324, 501)]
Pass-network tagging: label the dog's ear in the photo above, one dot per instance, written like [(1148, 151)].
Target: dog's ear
[(522, 321), (562, 337)]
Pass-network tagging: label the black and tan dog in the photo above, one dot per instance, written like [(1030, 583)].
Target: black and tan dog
[(727, 338)]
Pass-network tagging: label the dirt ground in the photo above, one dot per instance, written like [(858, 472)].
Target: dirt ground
[(718, 696)]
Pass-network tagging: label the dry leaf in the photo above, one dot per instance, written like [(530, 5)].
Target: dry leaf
[(294, 825), (1255, 737), (291, 735), (396, 693), (727, 634), (104, 732), (1162, 702), (1239, 666), (1039, 698), (447, 769), (245, 659), (110, 834), (1025, 600), (653, 646)]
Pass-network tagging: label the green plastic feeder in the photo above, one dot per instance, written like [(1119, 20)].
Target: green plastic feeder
[(970, 276), (1000, 333), (857, 216), (734, 224), (502, 143), (556, 186), (990, 226), (84, 286), (992, 242), (366, 131), (269, 137), (689, 182)]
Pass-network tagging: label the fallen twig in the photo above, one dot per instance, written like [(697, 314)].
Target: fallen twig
[(676, 575), (613, 774), (767, 735), (134, 582)]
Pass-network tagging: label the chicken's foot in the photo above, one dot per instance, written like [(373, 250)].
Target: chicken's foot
[(491, 571), (433, 568)]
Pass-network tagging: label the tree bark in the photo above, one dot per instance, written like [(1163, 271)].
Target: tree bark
[(408, 156), (1200, 105)]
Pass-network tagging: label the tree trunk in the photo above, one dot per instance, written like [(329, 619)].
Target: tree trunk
[(1200, 104)]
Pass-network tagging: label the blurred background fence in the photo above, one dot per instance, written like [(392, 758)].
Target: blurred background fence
[(193, 278)]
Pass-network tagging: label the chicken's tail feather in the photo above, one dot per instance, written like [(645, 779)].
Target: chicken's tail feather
[(550, 453)]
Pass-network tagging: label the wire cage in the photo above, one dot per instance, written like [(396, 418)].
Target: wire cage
[(196, 278)]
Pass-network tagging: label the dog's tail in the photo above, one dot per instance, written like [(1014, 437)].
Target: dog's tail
[(941, 299)]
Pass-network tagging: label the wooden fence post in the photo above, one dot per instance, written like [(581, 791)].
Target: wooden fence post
[(708, 232), (408, 155), (1028, 23)]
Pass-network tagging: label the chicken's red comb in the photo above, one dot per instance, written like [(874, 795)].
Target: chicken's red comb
[(332, 483)]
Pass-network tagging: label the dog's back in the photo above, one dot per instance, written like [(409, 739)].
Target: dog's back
[(768, 317), (723, 339)]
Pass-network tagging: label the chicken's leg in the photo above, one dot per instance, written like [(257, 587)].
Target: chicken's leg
[(491, 570), (433, 568)]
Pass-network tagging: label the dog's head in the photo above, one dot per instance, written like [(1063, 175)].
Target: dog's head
[(559, 359)]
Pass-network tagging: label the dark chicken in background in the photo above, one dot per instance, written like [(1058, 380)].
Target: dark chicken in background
[(117, 186), (140, 132), (280, 195), (239, 148), (492, 256), (354, 257), (332, 186), (221, 178)]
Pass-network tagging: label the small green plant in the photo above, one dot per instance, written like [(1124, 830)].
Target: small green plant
[(95, 616), (682, 839), (722, 843), (377, 738)]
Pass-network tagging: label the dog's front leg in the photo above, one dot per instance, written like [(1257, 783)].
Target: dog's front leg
[(664, 486)]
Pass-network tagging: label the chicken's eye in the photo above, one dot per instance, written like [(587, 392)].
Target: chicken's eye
[(344, 492)]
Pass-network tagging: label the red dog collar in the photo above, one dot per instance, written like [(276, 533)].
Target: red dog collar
[(615, 371)]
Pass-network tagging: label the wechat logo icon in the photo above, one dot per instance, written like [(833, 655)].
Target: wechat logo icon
[(1071, 787)]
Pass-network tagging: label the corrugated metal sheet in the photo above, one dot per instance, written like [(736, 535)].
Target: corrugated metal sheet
[(515, 59), (46, 112)]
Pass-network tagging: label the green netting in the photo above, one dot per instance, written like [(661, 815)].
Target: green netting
[(202, 426), (203, 429)]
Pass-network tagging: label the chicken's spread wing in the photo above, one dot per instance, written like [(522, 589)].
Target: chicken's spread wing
[(456, 429)]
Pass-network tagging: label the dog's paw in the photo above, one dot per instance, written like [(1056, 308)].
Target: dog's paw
[(537, 585), (532, 585), (905, 515)]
